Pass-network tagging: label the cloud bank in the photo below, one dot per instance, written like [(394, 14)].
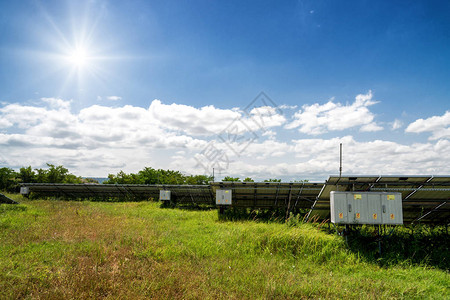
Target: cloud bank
[(258, 143)]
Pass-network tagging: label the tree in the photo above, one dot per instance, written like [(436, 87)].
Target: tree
[(148, 176), (27, 174), (41, 175), (229, 178), (304, 180), (111, 179), (170, 177), (70, 178), (8, 179), (89, 180), (56, 174), (272, 180), (248, 179), (123, 178), (198, 179)]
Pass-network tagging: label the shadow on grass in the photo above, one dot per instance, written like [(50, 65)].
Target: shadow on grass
[(187, 206), (414, 245), (277, 215)]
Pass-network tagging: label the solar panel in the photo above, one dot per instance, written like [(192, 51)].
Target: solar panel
[(7, 200)]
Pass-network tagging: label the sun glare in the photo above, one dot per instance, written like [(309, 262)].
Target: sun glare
[(78, 57)]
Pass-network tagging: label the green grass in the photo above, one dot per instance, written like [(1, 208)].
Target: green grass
[(60, 249)]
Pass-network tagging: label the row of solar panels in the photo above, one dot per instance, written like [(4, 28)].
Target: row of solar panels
[(425, 198), (183, 193)]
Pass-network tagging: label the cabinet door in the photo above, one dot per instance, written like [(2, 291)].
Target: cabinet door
[(357, 206), (374, 209), (223, 197), (391, 206), (339, 208), (164, 195)]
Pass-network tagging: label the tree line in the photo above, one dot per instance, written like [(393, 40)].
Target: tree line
[(157, 176), (10, 180)]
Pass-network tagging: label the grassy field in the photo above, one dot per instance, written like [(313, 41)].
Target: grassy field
[(56, 249)]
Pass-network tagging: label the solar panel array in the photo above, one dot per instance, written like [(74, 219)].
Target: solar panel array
[(425, 198), (105, 192)]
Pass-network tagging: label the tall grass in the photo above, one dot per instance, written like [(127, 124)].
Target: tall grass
[(55, 249)]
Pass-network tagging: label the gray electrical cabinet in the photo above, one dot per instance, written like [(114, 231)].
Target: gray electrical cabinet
[(366, 208), (223, 197), (164, 195)]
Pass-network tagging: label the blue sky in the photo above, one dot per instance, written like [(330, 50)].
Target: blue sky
[(103, 86)]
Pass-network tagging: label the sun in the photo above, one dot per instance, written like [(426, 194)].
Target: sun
[(78, 57)]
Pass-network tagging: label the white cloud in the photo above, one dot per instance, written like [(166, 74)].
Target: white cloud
[(29, 116), (4, 123), (371, 127), (284, 106), (318, 119), (209, 120), (266, 117), (114, 98), (57, 104), (59, 131), (397, 124), (439, 126)]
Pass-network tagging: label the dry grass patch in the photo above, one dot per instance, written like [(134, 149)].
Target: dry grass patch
[(84, 250)]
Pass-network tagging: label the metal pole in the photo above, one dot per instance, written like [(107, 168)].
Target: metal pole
[(340, 160), (379, 239), (213, 174)]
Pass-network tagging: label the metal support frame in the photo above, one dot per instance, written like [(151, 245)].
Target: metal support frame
[(432, 210), (300, 191), (254, 195), (421, 186), (375, 182), (315, 202), (276, 195), (289, 205)]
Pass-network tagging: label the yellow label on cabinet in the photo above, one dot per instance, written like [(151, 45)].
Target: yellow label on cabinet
[(358, 215), (341, 215), (391, 197), (375, 216), (392, 217), (357, 196)]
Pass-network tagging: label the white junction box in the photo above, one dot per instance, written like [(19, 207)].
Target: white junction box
[(24, 190), (366, 208), (164, 195), (223, 197)]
